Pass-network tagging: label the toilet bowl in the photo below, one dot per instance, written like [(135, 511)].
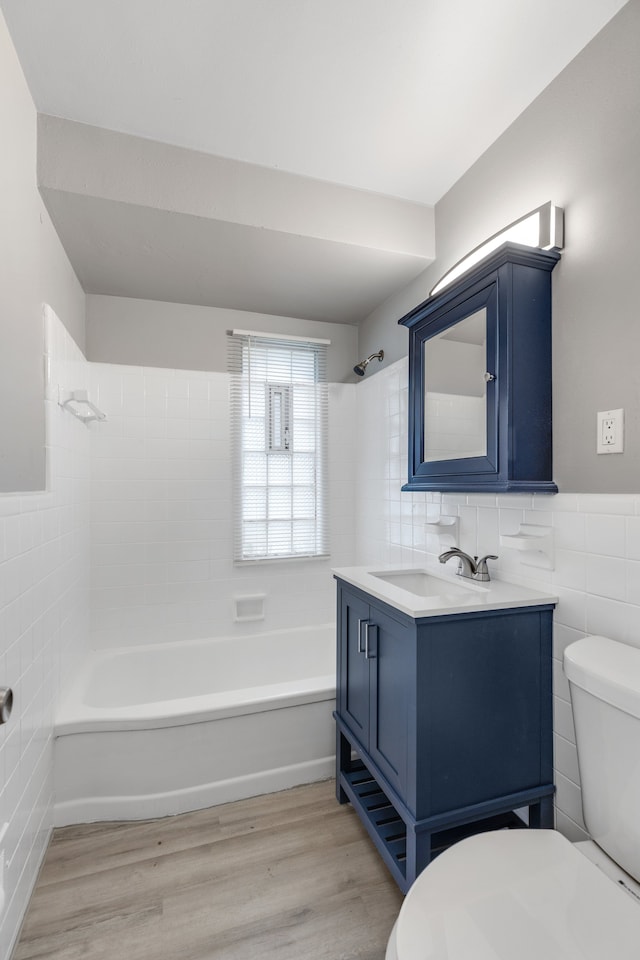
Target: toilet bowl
[(532, 894), (517, 895)]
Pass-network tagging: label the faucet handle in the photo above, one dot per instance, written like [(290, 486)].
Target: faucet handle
[(482, 571)]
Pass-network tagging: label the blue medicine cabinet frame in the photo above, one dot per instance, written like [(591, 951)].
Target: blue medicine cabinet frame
[(513, 284)]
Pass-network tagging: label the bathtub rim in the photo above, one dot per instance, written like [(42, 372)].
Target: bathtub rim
[(74, 715)]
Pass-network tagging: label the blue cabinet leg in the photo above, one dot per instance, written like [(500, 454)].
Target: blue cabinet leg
[(418, 853), (343, 759), (541, 814)]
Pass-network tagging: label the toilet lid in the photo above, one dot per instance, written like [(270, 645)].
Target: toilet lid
[(517, 895)]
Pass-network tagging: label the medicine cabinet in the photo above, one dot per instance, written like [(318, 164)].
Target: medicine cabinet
[(480, 378)]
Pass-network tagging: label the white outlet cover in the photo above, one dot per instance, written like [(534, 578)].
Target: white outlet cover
[(617, 416)]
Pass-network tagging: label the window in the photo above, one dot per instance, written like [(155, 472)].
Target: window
[(279, 435)]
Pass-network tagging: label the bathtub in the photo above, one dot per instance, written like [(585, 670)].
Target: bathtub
[(150, 731)]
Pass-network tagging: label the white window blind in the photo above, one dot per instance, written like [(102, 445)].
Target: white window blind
[(279, 419)]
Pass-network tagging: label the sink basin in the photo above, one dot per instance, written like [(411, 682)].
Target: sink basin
[(424, 584)]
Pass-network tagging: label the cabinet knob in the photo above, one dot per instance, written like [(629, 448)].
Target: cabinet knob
[(488, 376)]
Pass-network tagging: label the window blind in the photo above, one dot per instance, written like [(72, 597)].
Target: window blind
[(279, 424)]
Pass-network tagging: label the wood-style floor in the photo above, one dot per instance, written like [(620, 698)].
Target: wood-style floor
[(291, 876)]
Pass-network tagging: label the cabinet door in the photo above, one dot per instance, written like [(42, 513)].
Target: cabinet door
[(391, 651), (489, 706), (353, 667)]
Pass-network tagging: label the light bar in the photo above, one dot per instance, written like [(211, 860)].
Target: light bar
[(542, 228)]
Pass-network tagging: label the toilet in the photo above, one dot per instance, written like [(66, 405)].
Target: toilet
[(532, 894)]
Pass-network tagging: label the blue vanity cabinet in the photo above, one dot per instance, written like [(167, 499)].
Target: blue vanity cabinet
[(480, 378), (444, 724)]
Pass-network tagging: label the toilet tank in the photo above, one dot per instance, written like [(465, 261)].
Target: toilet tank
[(604, 679)]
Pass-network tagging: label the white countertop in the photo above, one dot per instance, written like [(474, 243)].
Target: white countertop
[(459, 594)]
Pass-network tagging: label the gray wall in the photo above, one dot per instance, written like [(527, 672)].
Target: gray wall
[(153, 333), (578, 144), (34, 270)]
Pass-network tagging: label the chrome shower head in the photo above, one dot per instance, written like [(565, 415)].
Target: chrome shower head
[(362, 366)]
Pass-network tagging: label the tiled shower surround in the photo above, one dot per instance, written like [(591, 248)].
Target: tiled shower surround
[(156, 478), (161, 522)]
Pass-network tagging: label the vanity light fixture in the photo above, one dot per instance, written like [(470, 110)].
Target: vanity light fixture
[(542, 228), (362, 366)]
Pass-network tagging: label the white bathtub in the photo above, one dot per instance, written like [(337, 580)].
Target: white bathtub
[(150, 731)]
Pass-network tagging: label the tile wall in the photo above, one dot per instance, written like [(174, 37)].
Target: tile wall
[(44, 616), (596, 571), (161, 525)]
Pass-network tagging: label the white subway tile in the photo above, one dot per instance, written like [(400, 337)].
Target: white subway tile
[(486, 500), (197, 389), (155, 405), (606, 617), (566, 759), (605, 534), (570, 569), (571, 609), (632, 531), (563, 719), (606, 577), (569, 798), (607, 505), (219, 388), (569, 531), (155, 425), (556, 502), (468, 529), (509, 521), (515, 501), (568, 828), (188, 571)]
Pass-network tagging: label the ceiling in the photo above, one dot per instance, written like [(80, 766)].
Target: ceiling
[(394, 98)]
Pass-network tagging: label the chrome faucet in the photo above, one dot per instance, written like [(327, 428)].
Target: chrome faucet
[(469, 567)]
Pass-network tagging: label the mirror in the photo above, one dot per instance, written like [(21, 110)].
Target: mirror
[(455, 396)]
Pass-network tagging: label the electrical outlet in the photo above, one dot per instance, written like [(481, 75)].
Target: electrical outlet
[(610, 435), (608, 431)]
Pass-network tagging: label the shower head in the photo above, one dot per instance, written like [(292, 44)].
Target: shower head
[(362, 366)]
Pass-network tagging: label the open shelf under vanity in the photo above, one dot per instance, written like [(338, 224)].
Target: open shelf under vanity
[(392, 828)]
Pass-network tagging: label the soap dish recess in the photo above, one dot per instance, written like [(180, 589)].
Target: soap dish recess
[(444, 527), (535, 540), (249, 607)]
